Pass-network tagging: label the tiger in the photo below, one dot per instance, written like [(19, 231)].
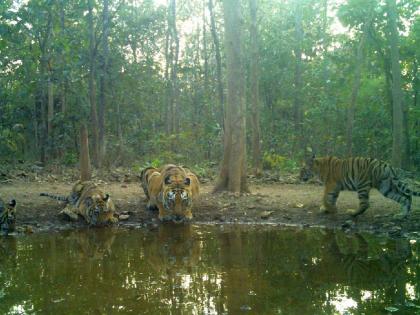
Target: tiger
[(172, 191), (88, 201), (7, 216), (361, 175), (144, 178)]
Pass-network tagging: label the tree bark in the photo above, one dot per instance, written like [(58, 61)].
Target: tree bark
[(218, 64), (354, 93), (399, 145), (297, 100), (103, 84), (85, 169), (50, 114), (92, 85), (233, 169), (255, 94)]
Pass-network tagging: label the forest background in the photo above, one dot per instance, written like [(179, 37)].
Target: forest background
[(150, 81)]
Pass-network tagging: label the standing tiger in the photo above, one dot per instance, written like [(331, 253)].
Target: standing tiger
[(87, 200), (7, 216), (172, 191), (357, 174)]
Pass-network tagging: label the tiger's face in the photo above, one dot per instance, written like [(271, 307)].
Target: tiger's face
[(177, 198), (307, 171), (97, 208), (7, 216)]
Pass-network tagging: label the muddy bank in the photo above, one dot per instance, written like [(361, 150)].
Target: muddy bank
[(273, 203)]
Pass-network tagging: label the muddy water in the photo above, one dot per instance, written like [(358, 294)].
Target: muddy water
[(208, 270)]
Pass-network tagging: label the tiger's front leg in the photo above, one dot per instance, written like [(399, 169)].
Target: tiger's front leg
[(363, 201), (331, 193)]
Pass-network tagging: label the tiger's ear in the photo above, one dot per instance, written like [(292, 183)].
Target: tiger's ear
[(187, 181), (167, 180), (12, 203), (106, 197)]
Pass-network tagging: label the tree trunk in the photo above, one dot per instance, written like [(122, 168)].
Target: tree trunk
[(355, 91), (399, 145), (255, 95), (85, 170), (63, 75), (233, 169), (297, 100), (174, 72), (50, 115), (92, 85), (218, 64), (103, 85)]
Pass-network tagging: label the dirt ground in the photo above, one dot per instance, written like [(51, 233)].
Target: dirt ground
[(268, 203)]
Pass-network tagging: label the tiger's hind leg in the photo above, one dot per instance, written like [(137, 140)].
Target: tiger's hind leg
[(363, 195), (391, 191), (331, 193)]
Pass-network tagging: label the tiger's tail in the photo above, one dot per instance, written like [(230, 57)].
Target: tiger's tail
[(403, 187), (56, 197)]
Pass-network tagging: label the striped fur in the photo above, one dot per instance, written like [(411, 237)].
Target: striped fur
[(7, 216), (55, 197), (361, 175)]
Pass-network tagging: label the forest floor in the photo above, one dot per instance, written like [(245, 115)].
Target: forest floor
[(275, 203)]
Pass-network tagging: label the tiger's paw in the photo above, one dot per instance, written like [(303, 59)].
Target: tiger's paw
[(72, 216)]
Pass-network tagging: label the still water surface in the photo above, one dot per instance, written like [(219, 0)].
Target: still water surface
[(208, 270)]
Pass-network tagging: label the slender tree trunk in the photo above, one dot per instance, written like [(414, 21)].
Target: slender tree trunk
[(63, 78), (297, 100), (174, 73), (218, 64), (168, 62), (205, 55), (103, 85), (92, 85), (399, 145), (85, 169), (233, 169), (355, 91), (255, 95), (50, 115)]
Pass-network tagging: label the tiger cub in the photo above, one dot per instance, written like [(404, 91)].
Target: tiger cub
[(88, 201), (7, 216), (357, 174), (172, 191)]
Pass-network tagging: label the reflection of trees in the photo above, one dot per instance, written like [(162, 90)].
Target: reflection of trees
[(187, 270)]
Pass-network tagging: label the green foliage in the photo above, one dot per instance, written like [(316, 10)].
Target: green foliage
[(273, 161), (136, 111)]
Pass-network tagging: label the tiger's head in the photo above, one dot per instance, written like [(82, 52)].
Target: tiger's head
[(98, 208), (7, 216), (308, 170), (176, 194)]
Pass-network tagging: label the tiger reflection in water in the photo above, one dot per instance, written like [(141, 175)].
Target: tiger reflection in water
[(175, 249), (93, 245)]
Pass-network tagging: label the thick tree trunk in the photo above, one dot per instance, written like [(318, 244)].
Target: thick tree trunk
[(85, 169), (355, 91), (233, 169), (218, 64), (92, 85), (399, 145), (103, 85), (255, 95)]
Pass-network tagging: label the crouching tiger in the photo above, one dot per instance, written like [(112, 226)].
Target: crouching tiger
[(7, 216), (171, 190), (88, 201), (361, 175)]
